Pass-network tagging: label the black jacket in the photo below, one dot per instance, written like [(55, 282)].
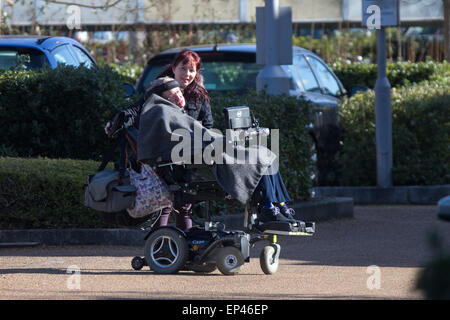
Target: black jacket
[(200, 111)]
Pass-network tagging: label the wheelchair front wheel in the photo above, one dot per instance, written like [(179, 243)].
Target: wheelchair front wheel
[(268, 260), (166, 251)]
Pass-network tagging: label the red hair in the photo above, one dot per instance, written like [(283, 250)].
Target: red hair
[(195, 90)]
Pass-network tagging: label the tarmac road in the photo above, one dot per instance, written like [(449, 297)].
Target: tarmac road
[(375, 255)]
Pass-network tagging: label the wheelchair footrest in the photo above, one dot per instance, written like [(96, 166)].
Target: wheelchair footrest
[(289, 229)]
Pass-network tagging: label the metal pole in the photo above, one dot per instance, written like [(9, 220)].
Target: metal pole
[(272, 13), (447, 29), (383, 117), (272, 77), (1, 16)]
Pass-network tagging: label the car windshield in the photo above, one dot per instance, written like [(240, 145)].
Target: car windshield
[(222, 71), (29, 58), (230, 75), (220, 76)]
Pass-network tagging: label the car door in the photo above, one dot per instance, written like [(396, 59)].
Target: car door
[(312, 90), (82, 57), (327, 80)]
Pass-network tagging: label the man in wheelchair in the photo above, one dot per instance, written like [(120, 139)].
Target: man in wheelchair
[(199, 164)]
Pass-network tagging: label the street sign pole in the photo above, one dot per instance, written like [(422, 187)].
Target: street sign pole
[(274, 47), (383, 117), (379, 14)]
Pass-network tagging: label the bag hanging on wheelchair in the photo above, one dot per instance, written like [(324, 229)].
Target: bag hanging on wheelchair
[(110, 190), (106, 191), (152, 193)]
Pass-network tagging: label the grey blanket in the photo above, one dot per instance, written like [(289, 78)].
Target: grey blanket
[(166, 134)]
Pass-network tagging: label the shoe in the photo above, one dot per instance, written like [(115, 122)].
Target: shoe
[(288, 212), (272, 214)]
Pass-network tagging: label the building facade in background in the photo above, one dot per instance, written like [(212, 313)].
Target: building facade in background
[(150, 12)]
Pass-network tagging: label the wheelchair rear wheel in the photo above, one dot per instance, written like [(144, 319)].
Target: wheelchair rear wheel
[(166, 251)]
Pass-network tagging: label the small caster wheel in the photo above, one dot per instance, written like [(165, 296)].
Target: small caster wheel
[(138, 263), (269, 259)]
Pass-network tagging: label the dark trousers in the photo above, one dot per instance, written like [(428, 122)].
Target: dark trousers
[(271, 189)]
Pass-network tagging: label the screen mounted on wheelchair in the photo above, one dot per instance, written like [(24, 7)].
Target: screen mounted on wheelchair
[(238, 117)]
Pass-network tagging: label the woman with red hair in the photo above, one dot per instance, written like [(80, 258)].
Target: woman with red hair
[(185, 69)]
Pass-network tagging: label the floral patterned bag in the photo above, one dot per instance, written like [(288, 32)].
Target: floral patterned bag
[(152, 193)]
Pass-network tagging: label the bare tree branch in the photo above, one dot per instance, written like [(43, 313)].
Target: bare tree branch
[(69, 3)]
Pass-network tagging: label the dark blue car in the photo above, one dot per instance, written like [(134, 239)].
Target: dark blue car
[(40, 51)]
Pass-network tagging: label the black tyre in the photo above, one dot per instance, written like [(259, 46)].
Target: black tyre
[(166, 251), (267, 260), (137, 263), (229, 260)]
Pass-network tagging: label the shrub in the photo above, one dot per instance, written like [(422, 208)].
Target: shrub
[(399, 73), (45, 193), (57, 113), (420, 136)]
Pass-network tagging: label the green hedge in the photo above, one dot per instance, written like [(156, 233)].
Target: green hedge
[(45, 193), (57, 113), (399, 73), (420, 134), (48, 193)]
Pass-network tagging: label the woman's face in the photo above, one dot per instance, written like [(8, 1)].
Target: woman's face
[(185, 73)]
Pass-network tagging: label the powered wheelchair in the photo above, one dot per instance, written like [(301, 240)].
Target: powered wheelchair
[(208, 246)]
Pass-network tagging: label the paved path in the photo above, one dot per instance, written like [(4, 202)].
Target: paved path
[(331, 265)]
